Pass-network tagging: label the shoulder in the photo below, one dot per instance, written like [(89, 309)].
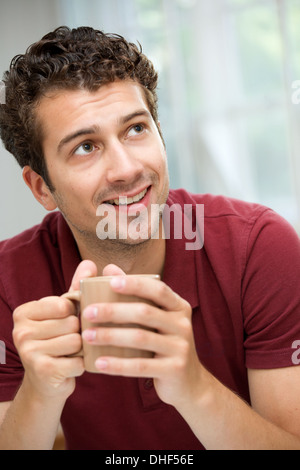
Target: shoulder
[(217, 205), (232, 214), (236, 231), (27, 261), (32, 236)]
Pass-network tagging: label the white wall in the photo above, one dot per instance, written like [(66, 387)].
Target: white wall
[(22, 22)]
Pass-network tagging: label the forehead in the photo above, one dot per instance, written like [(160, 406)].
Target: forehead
[(62, 109)]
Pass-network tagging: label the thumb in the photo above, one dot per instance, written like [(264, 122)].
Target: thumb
[(113, 270), (85, 269)]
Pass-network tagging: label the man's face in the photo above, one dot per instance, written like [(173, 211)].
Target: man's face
[(99, 147)]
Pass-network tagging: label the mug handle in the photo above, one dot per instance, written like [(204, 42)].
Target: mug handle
[(75, 296)]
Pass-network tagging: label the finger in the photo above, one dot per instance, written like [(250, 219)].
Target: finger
[(133, 367), (85, 269), (45, 309), (112, 270), (136, 338), (151, 289), (48, 329), (58, 347), (131, 312), (70, 367)]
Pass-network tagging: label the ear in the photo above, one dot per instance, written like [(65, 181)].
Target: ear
[(39, 189)]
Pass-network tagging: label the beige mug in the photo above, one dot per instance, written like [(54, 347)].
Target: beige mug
[(98, 290)]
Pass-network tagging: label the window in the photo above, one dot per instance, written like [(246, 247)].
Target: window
[(227, 68)]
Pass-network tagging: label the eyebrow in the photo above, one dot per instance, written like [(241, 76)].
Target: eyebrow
[(96, 129), (81, 132), (129, 117)]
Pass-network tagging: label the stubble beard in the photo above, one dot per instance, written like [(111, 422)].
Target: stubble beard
[(112, 248)]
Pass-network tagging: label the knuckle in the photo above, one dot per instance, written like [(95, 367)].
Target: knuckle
[(73, 324), (187, 308), (141, 338), (21, 335), (185, 326), (118, 367), (107, 312), (20, 312), (64, 307), (162, 289), (44, 366), (27, 352), (143, 310), (17, 314), (184, 348), (78, 366), (75, 341), (142, 367), (137, 283), (106, 335)]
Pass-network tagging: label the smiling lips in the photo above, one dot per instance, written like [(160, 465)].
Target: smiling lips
[(125, 200)]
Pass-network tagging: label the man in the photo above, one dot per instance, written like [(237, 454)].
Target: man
[(81, 119)]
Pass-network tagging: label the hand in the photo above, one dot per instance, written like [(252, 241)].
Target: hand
[(45, 333), (175, 366)]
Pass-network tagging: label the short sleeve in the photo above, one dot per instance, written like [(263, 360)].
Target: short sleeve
[(11, 369), (271, 293)]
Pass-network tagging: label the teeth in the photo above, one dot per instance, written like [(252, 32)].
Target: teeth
[(124, 200)]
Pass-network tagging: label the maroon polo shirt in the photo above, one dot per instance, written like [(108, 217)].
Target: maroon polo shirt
[(243, 286)]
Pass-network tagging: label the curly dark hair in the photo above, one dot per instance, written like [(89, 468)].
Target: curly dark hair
[(82, 58)]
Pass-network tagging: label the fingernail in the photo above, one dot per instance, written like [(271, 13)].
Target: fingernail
[(118, 282), (89, 335), (101, 364), (90, 313), (86, 273)]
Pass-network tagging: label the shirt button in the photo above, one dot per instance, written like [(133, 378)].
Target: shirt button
[(148, 384)]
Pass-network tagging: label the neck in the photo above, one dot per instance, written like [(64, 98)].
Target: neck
[(147, 257)]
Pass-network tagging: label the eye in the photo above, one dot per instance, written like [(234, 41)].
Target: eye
[(85, 149), (136, 129)]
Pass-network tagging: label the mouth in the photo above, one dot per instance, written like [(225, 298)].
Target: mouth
[(126, 200)]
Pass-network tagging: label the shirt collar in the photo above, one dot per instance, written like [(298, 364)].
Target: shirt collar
[(180, 272), (70, 257)]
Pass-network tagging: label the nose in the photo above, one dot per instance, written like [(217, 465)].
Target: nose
[(122, 165)]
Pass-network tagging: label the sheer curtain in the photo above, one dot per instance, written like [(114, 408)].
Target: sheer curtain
[(229, 82), (227, 69)]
